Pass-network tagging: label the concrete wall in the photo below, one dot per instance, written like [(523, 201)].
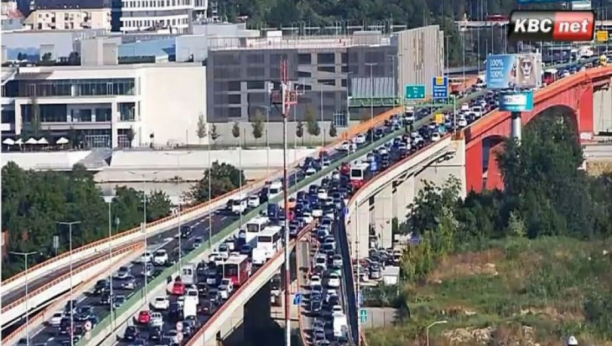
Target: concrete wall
[(602, 117), (44, 160)]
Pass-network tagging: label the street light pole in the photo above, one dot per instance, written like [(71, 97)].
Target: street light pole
[(69, 224), (110, 261), (179, 221), (371, 65), (431, 325), (27, 309)]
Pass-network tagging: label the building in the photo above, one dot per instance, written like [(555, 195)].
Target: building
[(105, 105), (12, 18), (325, 70), (173, 16), (70, 15)]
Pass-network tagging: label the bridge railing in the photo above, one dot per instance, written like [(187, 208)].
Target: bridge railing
[(348, 281)]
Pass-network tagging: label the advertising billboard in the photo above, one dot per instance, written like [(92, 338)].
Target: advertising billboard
[(516, 101), (514, 71)]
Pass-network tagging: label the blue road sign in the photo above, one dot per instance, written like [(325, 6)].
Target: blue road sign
[(440, 88), (363, 315), (297, 299)]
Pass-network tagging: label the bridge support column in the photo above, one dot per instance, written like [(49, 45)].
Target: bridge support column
[(473, 167), (359, 233), (494, 178), (257, 317), (403, 195), (383, 213), (516, 126)]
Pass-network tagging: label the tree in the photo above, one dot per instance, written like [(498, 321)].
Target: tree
[(201, 131), (236, 130), (46, 57), (213, 133), (333, 132), (223, 179), (299, 131), (130, 134), (258, 125), (312, 126), (73, 137), (36, 122)]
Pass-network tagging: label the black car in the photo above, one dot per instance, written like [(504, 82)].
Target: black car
[(131, 333), (105, 299), (186, 231), (315, 308), (155, 334), (102, 286)]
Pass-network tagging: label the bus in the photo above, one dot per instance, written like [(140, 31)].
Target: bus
[(360, 174), (237, 269), (188, 274), (269, 241), (253, 228)]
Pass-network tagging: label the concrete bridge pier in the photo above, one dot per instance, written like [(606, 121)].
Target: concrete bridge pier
[(257, 318), (383, 216)]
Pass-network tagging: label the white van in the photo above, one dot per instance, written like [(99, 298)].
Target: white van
[(239, 205)]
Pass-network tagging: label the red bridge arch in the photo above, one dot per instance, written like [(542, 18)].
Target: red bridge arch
[(574, 92)]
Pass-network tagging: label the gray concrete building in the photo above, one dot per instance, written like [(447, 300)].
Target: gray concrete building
[(324, 70)]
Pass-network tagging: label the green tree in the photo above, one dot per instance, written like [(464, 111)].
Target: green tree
[(130, 134), (36, 121), (201, 131), (258, 125), (223, 179), (299, 131), (236, 130), (333, 132), (312, 125), (46, 57)]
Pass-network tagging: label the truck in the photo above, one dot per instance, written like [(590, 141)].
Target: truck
[(340, 325)]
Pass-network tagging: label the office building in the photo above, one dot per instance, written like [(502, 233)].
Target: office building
[(171, 16), (69, 15), (325, 70), (105, 105)]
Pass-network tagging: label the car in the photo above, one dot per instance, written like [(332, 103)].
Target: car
[(156, 320), (101, 287), (55, 320), (146, 257), (129, 283), (155, 333), (435, 137), (315, 280), (84, 313), (147, 270), (123, 273), (105, 298), (333, 280), (160, 257), (160, 303), (131, 333), (253, 201), (118, 301), (337, 261), (174, 336), (206, 307), (178, 288), (143, 317), (197, 242)]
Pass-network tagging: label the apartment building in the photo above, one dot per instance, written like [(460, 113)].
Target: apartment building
[(171, 16), (325, 70), (69, 15)]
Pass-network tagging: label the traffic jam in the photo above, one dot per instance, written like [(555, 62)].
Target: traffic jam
[(172, 319)]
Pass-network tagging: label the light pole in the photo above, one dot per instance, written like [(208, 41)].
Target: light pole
[(321, 115), (371, 65), (110, 260), (70, 224), (144, 225), (393, 65), (431, 325), (27, 309), (178, 167)]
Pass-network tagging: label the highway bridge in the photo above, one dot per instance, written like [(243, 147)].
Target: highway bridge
[(584, 95)]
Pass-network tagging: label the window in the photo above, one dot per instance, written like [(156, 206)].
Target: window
[(326, 58), (327, 81), (303, 87), (234, 99), (302, 74), (233, 86), (345, 69), (234, 112), (344, 58), (305, 59), (256, 84), (344, 83), (326, 69), (258, 98), (255, 59), (256, 72)]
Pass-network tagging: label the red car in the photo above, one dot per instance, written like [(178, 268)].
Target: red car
[(144, 317), (178, 288)]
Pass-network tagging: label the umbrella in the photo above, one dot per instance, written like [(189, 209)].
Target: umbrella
[(62, 140), (31, 141), (9, 141), (43, 141), (19, 141)]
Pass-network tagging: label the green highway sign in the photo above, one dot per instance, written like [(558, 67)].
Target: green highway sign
[(415, 91), (363, 315)]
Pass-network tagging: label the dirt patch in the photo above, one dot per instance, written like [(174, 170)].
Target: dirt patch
[(596, 168), (466, 264), (553, 314), (504, 335)]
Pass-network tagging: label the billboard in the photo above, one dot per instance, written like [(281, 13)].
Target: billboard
[(514, 71), (516, 101), (581, 5)]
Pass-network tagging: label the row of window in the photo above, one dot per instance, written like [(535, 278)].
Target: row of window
[(59, 113), (236, 86), (154, 3), (147, 23), (71, 87)]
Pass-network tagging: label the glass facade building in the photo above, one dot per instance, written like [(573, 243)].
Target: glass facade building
[(71, 87)]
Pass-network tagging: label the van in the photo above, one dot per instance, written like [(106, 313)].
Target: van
[(239, 206)]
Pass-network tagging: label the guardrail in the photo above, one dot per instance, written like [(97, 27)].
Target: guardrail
[(40, 317), (348, 280), (168, 222)]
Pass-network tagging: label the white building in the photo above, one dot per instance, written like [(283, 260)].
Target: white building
[(103, 106), (175, 16)]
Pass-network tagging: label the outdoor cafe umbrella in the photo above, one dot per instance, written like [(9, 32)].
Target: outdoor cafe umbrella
[(62, 140), (8, 141), (31, 141), (19, 141), (43, 141)]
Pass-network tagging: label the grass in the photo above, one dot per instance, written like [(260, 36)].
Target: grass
[(517, 290)]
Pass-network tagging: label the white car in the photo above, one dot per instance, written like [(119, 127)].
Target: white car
[(123, 273), (335, 175), (223, 251), (333, 280), (346, 146), (462, 122), (465, 107), (157, 320), (477, 111), (435, 137), (226, 288), (253, 201), (322, 194), (192, 292), (409, 117), (315, 280), (56, 319), (180, 301), (160, 303), (360, 139), (146, 257), (160, 257), (318, 212), (310, 171)]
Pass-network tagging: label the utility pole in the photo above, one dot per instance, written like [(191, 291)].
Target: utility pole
[(25, 256), (70, 224)]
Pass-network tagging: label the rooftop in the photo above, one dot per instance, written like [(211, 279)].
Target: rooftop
[(365, 38), (6, 71), (71, 4)]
